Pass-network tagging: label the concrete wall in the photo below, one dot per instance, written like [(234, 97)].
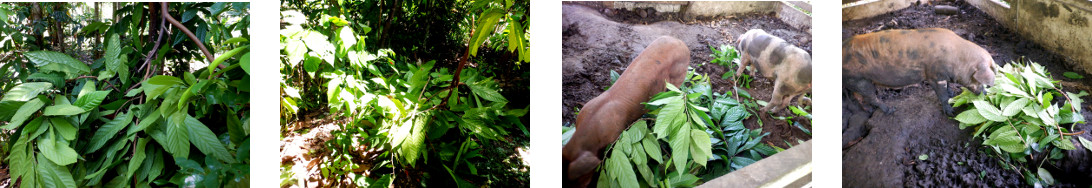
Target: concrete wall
[(789, 168), (800, 20), (1061, 26), (710, 9), (865, 8), (784, 10)]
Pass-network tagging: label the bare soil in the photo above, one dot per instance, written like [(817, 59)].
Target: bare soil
[(596, 40), (888, 155)]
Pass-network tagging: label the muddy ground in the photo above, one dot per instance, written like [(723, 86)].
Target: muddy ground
[(596, 40), (887, 157)]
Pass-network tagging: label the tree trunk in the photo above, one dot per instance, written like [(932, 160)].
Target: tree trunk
[(98, 37)]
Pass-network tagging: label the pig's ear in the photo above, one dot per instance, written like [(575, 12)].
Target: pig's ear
[(583, 165), (984, 74)]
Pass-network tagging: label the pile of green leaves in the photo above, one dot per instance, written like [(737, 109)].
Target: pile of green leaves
[(700, 129), (104, 124), (1020, 117), (403, 111)]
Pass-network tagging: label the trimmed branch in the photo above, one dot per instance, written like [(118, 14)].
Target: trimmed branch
[(179, 25)]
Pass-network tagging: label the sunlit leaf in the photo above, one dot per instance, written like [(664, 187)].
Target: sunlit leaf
[(24, 113), (57, 151), (62, 110), (26, 91), (484, 28)]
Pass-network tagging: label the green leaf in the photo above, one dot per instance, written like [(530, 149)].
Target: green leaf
[(62, 110), (296, 51), (149, 119), (311, 64), (486, 23), (1085, 143), (412, 136), (26, 91), (647, 174), (923, 157), (670, 115), (1073, 75), (49, 61), (1064, 143), (1015, 107), (189, 14), (1045, 176), (244, 62), (91, 100), (66, 129), (57, 151), (108, 130), (319, 44), (970, 116), (53, 78), (701, 149), (175, 140), (22, 163), (652, 147), (225, 56), (627, 177), (989, 111), (56, 173), (680, 148), (203, 138), (1075, 99), (24, 113), (1006, 138), (157, 85), (479, 88), (113, 51), (346, 38), (515, 38)]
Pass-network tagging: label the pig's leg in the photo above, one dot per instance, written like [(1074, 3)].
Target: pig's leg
[(777, 97), (942, 96), (793, 94), (857, 128), (868, 92), (584, 164)]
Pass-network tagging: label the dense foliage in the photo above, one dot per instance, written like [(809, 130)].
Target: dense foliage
[(418, 111), (127, 108), (1019, 118)]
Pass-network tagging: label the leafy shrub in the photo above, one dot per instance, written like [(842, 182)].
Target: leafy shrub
[(125, 122), (1019, 117), (408, 114), (728, 57)]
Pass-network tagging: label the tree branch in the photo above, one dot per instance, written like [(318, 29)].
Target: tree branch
[(197, 41)]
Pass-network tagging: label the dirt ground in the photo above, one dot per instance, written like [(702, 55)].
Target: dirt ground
[(887, 157), (596, 40)]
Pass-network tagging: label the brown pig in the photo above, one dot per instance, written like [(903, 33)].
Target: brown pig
[(603, 119), (897, 58), (774, 58)]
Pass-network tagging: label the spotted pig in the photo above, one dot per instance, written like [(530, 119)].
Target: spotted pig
[(774, 58)]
